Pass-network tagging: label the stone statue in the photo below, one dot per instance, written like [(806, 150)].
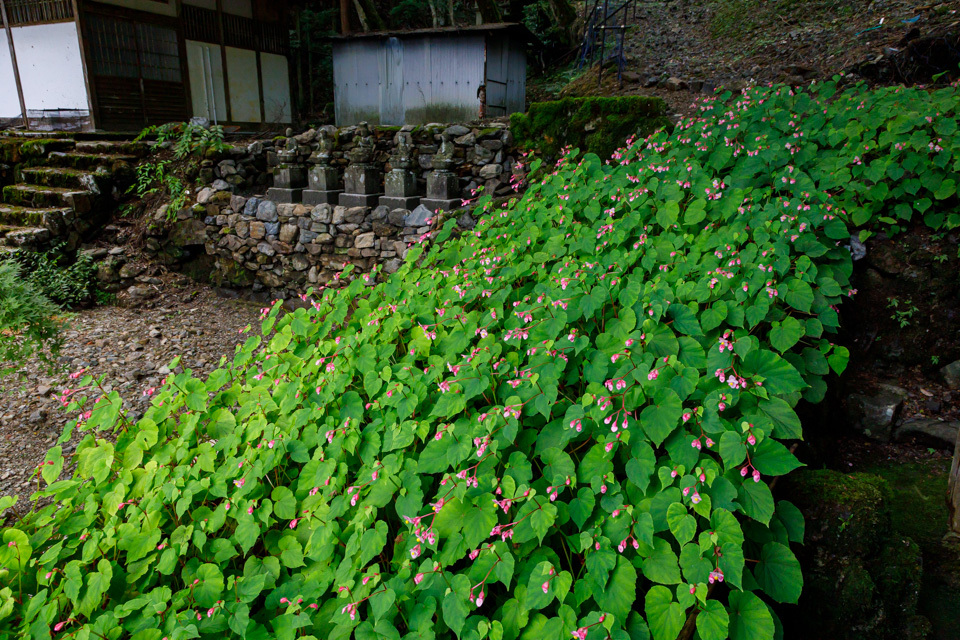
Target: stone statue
[(289, 152), (443, 159), (402, 157), (324, 153), (366, 145)]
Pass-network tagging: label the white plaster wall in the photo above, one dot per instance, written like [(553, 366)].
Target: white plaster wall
[(9, 103), (244, 90), (51, 70), (163, 7), (206, 89), (276, 88)]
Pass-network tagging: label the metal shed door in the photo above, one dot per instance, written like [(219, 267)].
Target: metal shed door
[(391, 82), (497, 75), (135, 71)]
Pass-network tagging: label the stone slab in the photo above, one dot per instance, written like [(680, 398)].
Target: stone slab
[(324, 179), (444, 205), (359, 199), (397, 202), (284, 196), (313, 197)]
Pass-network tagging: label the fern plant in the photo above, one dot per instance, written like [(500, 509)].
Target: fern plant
[(28, 324), (64, 283)]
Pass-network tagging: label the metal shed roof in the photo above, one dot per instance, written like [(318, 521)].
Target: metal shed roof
[(517, 29)]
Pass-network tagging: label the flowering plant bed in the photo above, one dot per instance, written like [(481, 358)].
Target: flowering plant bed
[(560, 424)]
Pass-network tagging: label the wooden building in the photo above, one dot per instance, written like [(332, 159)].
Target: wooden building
[(123, 64)]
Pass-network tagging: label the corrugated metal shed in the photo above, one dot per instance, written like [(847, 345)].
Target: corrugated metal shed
[(415, 77)]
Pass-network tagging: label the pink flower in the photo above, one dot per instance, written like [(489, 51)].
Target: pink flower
[(480, 599), (580, 634), (417, 579), (545, 586), (293, 523), (284, 601)]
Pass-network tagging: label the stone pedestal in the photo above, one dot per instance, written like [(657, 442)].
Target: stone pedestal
[(361, 186), (289, 178), (323, 186), (443, 188), (401, 189)]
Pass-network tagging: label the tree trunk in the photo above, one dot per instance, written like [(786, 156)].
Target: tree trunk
[(453, 19), (565, 14), (433, 14), (953, 490), (369, 16), (489, 11)]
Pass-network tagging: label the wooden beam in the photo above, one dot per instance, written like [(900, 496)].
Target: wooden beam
[(223, 62), (16, 69), (83, 62)]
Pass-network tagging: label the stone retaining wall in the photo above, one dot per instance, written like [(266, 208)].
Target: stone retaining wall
[(286, 248)]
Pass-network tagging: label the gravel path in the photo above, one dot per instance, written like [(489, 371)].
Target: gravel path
[(130, 347)]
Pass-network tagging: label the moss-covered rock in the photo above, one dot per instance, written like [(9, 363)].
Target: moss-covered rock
[(596, 125), (861, 577)]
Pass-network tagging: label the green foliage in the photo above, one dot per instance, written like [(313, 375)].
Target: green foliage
[(163, 179), (59, 276), (594, 125), (188, 138), (560, 423), (160, 180), (28, 326)]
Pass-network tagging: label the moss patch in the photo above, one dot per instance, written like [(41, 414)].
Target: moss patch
[(594, 125)]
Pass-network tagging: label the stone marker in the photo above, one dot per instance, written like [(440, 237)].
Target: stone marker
[(362, 179), (401, 183), (443, 186), (289, 176), (323, 180)]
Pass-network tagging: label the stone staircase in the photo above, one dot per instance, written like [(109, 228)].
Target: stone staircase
[(65, 187)]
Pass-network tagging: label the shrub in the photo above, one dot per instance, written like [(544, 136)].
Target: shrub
[(57, 278), (594, 125), (28, 325), (561, 423)]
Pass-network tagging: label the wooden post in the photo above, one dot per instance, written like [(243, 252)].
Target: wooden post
[(13, 59), (344, 17), (953, 490)]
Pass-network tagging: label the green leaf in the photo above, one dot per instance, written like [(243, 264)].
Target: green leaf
[(621, 590), (662, 565), (778, 573), (660, 419), (712, 621), (785, 334), (682, 525), (756, 500), (664, 615), (773, 459), (749, 617), (454, 612)]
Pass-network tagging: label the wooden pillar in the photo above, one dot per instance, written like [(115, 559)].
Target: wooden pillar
[(953, 490), (223, 62), (13, 60)]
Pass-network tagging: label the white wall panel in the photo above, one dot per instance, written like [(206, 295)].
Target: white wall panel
[(244, 88), (276, 88), (205, 67), (51, 70)]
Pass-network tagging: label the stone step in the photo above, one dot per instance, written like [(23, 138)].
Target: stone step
[(29, 195), (113, 147), (77, 160), (23, 236), (50, 218), (60, 177)]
